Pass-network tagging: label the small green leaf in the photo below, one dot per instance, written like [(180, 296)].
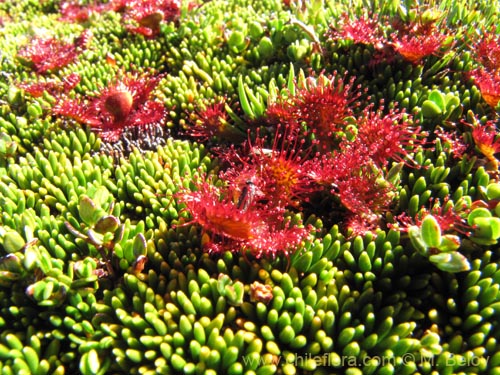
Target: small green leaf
[(394, 173), (107, 223), (222, 281), (13, 241), (438, 98), (451, 101), (139, 245), (95, 238), (245, 104), (478, 212), (449, 242), (431, 232), (237, 40), (45, 261), (450, 262), (31, 256), (11, 264), (431, 109), (303, 263), (90, 363), (487, 227), (101, 196), (265, 47), (118, 235), (87, 209), (237, 298), (417, 241), (493, 191)]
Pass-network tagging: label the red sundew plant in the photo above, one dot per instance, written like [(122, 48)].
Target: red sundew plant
[(487, 142), (246, 229), (52, 87), (412, 41), (414, 48), (420, 38), (361, 30), (366, 195), (73, 11), (278, 173), (126, 103), (51, 54), (221, 216), (357, 184), (450, 219), (145, 16), (323, 105), (487, 51), (388, 137), (211, 122), (453, 141), (489, 85)]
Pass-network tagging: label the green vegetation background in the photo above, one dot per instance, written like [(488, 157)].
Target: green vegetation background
[(340, 298)]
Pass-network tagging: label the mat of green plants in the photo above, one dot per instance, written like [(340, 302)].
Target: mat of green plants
[(249, 187)]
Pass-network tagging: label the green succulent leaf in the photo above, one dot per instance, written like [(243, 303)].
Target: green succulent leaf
[(11, 268), (101, 196), (107, 223), (31, 256), (95, 238), (493, 191), (139, 245), (449, 242), (222, 282), (450, 262), (415, 234), (431, 109), (487, 227), (438, 98), (90, 363), (477, 213), (13, 242), (394, 174), (431, 231), (452, 101), (87, 210)]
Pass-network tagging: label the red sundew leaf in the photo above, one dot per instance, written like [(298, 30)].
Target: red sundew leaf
[(453, 141), (278, 241), (123, 104), (322, 106), (53, 87), (72, 11), (362, 30), (146, 31), (221, 217), (387, 137), (277, 173), (145, 16), (487, 50), (414, 48), (150, 113), (52, 54), (211, 122), (486, 140), (253, 230), (449, 217), (357, 184), (78, 111), (489, 85)]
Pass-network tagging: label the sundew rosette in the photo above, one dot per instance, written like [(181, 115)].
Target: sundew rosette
[(125, 104), (250, 229)]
